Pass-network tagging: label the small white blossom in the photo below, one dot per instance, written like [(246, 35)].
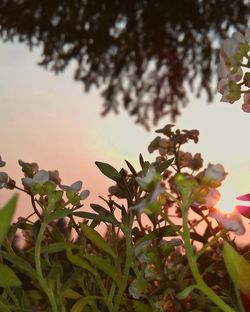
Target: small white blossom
[(84, 194), (145, 181), (229, 221), (41, 177), (215, 172), (75, 187)]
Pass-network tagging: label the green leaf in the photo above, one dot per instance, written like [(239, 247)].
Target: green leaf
[(80, 305), (104, 213), (164, 165), (238, 268), (141, 160), (79, 261), (141, 307), (57, 247), (131, 168), (159, 233), (6, 215), (71, 294), (108, 171), (186, 292), (20, 263), (105, 266), (8, 277), (59, 213), (96, 217), (97, 239)]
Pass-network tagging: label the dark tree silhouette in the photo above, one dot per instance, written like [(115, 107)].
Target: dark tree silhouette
[(144, 54)]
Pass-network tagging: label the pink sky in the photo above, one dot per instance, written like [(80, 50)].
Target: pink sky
[(48, 119)]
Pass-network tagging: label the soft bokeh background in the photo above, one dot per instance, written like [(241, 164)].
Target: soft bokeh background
[(48, 119)]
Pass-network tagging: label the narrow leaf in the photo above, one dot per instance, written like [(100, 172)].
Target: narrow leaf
[(238, 268), (141, 307), (105, 266), (71, 294), (186, 292), (20, 263), (164, 165), (58, 214), (159, 233), (97, 239), (108, 171), (96, 217), (141, 160), (8, 277), (76, 260), (80, 305), (104, 213), (57, 247), (131, 168), (6, 215)]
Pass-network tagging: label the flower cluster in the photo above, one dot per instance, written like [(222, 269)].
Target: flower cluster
[(233, 53), (41, 184)]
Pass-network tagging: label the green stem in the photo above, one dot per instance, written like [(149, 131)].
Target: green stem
[(194, 268), (42, 280), (128, 261)]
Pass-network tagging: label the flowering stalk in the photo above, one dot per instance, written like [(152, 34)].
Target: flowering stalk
[(194, 268)]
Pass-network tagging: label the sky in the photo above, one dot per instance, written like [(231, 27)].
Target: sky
[(49, 119)]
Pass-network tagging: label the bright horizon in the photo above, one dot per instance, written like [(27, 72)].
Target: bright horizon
[(48, 119)]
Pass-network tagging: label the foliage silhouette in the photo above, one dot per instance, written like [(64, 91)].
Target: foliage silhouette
[(143, 54)]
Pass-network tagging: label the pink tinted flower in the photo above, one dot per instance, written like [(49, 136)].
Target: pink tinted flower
[(244, 210), (212, 197), (231, 46), (245, 197), (229, 221), (246, 105)]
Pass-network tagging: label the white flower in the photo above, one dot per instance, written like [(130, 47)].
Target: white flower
[(144, 203), (215, 172), (229, 221), (41, 177), (145, 181), (75, 187), (84, 194)]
